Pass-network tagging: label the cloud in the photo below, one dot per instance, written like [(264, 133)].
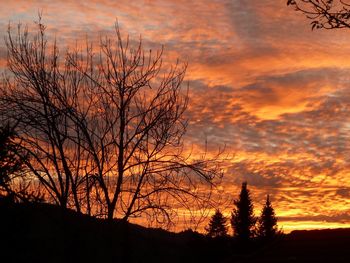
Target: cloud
[(263, 85), (271, 95), (344, 217)]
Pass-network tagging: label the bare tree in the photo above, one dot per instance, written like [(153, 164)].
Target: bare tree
[(105, 127), (32, 100), (135, 136), (326, 14)]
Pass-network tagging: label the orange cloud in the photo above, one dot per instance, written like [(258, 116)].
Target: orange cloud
[(261, 83)]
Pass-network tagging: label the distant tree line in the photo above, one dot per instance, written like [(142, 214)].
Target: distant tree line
[(245, 225)]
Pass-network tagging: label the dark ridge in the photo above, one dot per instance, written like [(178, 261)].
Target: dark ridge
[(304, 246), (321, 233), (45, 233)]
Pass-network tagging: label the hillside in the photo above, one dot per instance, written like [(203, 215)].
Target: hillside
[(304, 246), (43, 233)]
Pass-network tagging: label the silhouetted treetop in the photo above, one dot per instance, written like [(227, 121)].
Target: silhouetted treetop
[(242, 217), (217, 226), (267, 223)]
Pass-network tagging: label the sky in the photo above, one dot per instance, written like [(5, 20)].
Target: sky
[(274, 93)]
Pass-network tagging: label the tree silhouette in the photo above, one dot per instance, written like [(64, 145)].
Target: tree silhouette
[(13, 185), (217, 225), (242, 217), (327, 14), (267, 223), (104, 127), (10, 164)]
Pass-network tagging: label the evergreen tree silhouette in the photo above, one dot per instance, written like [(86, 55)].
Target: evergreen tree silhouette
[(217, 226), (267, 225), (242, 218), (9, 162)]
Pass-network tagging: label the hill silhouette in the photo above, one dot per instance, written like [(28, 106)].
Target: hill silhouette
[(45, 233), (303, 246)]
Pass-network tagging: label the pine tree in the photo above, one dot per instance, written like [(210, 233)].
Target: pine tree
[(217, 226), (242, 218), (9, 162), (267, 227)]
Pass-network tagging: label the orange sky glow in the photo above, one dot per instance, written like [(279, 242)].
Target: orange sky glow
[(262, 84)]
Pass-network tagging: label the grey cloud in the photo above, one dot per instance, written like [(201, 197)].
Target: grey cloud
[(343, 192)]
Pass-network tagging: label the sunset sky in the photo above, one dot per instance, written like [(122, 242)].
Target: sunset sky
[(262, 84)]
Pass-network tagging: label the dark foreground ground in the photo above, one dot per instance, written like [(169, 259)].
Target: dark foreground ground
[(43, 233), (313, 246)]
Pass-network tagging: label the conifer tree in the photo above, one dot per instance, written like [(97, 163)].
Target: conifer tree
[(267, 225), (242, 218), (217, 226), (9, 162)]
